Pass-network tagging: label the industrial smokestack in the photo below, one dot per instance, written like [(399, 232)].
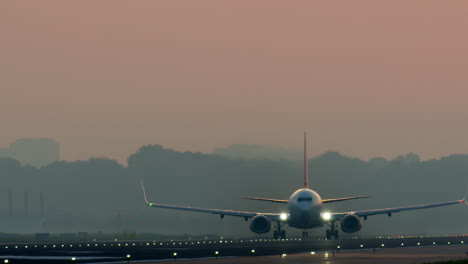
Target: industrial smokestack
[(26, 203), (42, 205), (10, 203)]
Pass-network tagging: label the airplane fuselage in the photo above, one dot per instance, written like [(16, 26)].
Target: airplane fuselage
[(305, 208)]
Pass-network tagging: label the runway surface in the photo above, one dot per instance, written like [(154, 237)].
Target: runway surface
[(381, 256), (117, 251)]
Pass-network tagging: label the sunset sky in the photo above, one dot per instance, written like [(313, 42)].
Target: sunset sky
[(365, 78)]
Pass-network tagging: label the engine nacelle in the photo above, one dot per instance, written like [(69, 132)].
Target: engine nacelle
[(260, 224), (351, 223)]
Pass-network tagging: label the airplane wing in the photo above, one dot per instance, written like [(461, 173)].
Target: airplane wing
[(265, 199), (389, 211), (286, 201), (222, 213), (343, 199)]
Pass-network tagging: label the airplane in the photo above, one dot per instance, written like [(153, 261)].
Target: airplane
[(304, 211)]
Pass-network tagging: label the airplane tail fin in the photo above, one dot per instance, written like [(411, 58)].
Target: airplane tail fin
[(306, 165)]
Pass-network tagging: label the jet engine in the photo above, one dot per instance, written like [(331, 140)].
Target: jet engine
[(260, 224), (351, 223)]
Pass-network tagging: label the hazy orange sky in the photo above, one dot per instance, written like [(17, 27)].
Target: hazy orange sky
[(366, 78)]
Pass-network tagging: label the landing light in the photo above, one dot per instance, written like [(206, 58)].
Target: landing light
[(326, 216), (283, 216)]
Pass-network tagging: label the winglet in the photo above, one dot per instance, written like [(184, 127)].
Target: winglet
[(306, 165), (144, 193)]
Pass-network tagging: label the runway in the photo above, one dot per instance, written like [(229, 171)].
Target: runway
[(409, 255), (118, 251)]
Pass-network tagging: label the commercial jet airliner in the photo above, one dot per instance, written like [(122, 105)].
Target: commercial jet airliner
[(304, 211)]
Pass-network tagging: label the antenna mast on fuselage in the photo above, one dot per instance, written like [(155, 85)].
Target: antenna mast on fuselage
[(306, 166)]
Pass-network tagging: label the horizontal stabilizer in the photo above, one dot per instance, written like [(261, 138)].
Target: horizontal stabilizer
[(265, 199), (343, 199)]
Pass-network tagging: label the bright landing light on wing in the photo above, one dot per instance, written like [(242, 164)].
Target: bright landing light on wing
[(326, 216), (283, 216)]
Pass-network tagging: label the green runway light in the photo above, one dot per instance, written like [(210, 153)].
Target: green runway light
[(150, 204)]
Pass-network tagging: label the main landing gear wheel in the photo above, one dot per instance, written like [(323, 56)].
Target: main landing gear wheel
[(278, 233), (332, 232)]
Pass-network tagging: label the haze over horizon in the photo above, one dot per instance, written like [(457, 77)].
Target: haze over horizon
[(363, 78)]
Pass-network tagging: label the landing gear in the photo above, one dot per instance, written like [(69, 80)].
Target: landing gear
[(332, 232), (305, 234), (278, 233)]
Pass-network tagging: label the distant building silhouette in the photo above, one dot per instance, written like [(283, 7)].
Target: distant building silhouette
[(33, 151)]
